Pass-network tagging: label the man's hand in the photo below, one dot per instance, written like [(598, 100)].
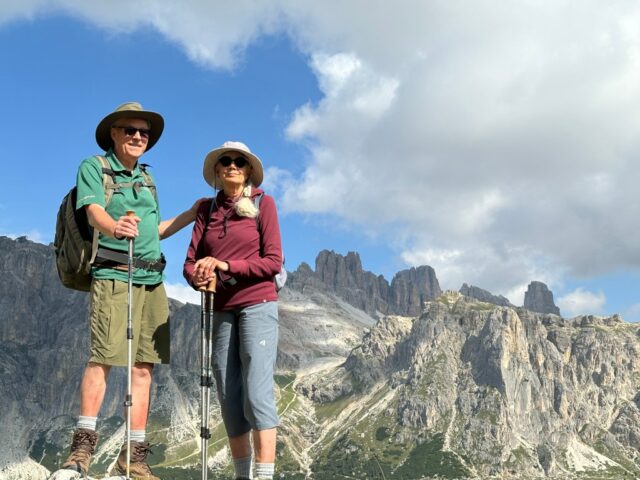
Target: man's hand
[(126, 227)]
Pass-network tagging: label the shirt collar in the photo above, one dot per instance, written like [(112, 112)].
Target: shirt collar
[(117, 166)]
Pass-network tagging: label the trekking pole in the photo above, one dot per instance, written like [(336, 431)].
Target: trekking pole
[(206, 338), (128, 400)]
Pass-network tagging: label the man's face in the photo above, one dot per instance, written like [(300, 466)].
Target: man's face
[(130, 137)]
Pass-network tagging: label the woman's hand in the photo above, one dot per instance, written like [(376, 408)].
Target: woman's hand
[(205, 270)]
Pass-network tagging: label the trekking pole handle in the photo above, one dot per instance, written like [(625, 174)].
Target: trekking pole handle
[(210, 288), (130, 213)]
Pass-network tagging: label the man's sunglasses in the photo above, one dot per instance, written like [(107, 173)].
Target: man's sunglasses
[(238, 162), (131, 131)]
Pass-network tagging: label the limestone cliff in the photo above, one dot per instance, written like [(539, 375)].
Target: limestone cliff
[(488, 391)]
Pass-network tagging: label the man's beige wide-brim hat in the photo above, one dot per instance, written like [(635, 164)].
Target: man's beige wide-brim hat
[(129, 110), (210, 161)]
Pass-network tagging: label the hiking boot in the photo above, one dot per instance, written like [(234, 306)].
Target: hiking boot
[(83, 446), (138, 468)]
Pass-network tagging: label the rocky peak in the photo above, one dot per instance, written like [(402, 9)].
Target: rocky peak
[(343, 276), (484, 295), (337, 270), (538, 298), (411, 288)]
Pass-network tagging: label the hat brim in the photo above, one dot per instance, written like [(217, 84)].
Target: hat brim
[(210, 161), (103, 130)]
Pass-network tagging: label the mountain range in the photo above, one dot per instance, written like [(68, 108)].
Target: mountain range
[(375, 380)]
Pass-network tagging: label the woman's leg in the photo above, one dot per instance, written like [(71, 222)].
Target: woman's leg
[(227, 371), (258, 343)]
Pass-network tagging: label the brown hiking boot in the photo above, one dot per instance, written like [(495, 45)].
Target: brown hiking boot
[(83, 446), (138, 469)]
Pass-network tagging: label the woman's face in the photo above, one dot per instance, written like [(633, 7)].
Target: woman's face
[(229, 172)]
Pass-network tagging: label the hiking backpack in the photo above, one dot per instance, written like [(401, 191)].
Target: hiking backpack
[(280, 278), (76, 242)]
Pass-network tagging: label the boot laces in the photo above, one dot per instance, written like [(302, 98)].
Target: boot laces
[(83, 441), (140, 451)]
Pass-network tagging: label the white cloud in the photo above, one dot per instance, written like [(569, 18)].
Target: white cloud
[(506, 139), (494, 139), (351, 90), (182, 293), (26, 9), (213, 34), (582, 302), (276, 180), (500, 271)]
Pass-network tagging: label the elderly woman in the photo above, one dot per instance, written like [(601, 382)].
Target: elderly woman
[(238, 243)]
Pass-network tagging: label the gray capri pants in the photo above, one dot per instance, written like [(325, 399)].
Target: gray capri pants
[(245, 345)]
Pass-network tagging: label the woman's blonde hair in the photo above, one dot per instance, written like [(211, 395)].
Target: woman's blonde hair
[(245, 207)]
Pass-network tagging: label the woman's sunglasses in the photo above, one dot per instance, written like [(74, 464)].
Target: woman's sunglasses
[(227, 161)]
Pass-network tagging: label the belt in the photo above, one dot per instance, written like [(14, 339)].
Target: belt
[(117, 260)]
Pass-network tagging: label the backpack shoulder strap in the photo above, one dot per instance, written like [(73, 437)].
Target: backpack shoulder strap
[(108, 178), (256, 203), (212, 207), (148, 180), (108, 184)]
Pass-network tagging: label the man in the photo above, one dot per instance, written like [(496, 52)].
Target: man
[(125, 135)]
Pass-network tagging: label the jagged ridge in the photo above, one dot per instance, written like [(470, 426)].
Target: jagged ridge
[(344, 277)]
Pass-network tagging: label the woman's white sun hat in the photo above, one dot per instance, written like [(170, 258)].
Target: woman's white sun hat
[(210, 161)]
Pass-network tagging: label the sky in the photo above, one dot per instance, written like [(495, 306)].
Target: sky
[(497, 142)]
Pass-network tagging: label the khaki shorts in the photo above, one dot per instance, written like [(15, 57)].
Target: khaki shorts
[(108, 317)]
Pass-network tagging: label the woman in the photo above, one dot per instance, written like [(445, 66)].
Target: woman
[(239, 244)]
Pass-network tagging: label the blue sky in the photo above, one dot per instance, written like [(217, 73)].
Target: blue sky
[(497, 144)]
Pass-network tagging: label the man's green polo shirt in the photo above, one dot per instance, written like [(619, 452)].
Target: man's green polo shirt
[(141, 200)]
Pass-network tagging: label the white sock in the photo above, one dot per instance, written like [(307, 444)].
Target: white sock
[(242, 467), (137, 435), (265, 470), (88, 423)]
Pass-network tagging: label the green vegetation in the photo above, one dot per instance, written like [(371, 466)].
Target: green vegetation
[(284, 380), (348, 459), (428, 459), (50, 453), (435, 377), (328, 410), (287, 464), (382, 433), (518, 457), (628, 466), (288, 397)]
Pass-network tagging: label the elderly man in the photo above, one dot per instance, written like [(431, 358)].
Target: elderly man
[(125, 135)]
